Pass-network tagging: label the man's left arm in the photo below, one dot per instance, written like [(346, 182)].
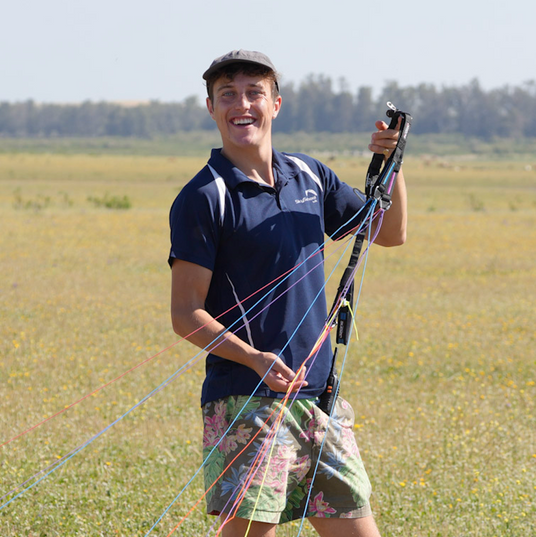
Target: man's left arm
[(394, 226)]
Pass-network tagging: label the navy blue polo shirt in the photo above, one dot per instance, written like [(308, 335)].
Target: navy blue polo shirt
[(248, 234)]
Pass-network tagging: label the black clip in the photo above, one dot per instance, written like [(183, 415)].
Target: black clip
[(344, 318), (329, 396), (379, 183)]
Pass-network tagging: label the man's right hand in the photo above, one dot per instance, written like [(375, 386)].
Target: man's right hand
[(189, 288), (280, 377)]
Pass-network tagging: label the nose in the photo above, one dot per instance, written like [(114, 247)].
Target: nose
[(242, 101)]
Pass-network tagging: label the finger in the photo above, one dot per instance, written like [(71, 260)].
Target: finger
[(384, 141), (278, 383), (301, 373), (299, 381), (277, 386), (389, 134), (384, 147), (283, 370), (385, 132)]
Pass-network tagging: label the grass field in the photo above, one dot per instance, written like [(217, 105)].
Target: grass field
[(442, 380)]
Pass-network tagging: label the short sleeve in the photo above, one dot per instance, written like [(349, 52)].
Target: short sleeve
[(195, 225), (342, 208), (342, 203)]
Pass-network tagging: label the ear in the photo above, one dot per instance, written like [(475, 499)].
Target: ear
[(277, 106), (210, 108)]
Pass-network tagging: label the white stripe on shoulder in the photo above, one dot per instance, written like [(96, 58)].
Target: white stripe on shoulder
[(220, 185), (305, 168)]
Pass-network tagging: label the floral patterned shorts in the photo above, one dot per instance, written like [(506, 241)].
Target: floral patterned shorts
[(278, 463)]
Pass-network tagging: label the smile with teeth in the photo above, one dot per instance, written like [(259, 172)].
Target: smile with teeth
[(243, 120)]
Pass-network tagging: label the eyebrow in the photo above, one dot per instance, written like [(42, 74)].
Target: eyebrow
[(231, 85)]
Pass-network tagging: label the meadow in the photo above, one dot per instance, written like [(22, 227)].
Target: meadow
[(442, 378)]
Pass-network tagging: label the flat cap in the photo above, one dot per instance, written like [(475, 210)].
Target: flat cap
[(239, 56)]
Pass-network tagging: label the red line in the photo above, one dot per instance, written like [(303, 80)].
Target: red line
[(324, 335), (267, 443), (221, 475), (280, 408), (167, 348)]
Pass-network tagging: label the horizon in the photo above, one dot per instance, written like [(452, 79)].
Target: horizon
[(132, 103), (60, 52)]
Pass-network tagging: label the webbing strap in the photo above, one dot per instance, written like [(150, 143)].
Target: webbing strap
[(379, 185)]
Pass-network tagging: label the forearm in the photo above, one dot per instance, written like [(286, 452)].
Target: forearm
[(201, 329), (394, 225), (189, 288)]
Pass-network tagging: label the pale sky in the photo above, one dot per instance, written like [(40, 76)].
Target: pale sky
[(73, 50)]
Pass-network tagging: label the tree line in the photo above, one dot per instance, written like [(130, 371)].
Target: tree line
[(313, 105)]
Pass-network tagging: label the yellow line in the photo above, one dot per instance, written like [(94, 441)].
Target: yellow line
[(353, 321)]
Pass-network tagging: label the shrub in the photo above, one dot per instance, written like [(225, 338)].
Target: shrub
[(111, 202)]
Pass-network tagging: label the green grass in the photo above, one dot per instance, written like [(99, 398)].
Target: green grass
[(442, 378), (198, 144)]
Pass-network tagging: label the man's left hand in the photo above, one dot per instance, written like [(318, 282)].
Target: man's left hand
[(384, 140)]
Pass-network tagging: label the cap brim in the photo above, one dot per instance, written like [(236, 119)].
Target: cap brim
[(213, 68)]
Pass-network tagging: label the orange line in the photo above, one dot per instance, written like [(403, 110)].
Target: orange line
[(279, 408), (67, 407)]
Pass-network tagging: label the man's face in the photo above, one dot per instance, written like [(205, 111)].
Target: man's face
[(243, 109)]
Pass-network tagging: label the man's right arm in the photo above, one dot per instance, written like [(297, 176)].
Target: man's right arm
[(189, 288)]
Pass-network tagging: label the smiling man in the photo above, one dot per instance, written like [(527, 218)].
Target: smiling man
[(248, 217)]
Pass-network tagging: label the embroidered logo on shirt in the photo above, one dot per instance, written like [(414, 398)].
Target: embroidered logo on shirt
[(310, 195)]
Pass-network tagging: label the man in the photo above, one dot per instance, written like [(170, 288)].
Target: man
[(249, 217)]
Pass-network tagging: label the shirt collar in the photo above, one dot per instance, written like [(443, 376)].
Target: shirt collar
[(284, 168)]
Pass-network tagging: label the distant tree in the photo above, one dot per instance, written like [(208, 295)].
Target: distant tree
[(342, 118), (364, 110), (312, 106), (287, 120), (473, 106), (428, 109), (192, 114)]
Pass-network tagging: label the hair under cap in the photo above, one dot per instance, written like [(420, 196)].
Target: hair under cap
[(240, 56)]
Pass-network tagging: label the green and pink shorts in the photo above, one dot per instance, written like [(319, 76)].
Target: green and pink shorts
[(280, 463)]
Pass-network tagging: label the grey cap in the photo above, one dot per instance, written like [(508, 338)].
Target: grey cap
[(240, 56)]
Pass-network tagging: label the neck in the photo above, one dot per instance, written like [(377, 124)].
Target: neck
[(254, 162)]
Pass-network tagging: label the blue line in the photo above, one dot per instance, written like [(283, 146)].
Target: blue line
[(337, 393), (258, 385), (388, 174), (174, 375)]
